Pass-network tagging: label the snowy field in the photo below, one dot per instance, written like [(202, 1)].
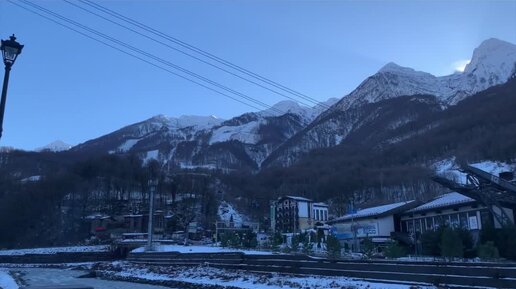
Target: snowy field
[(54, 250), (63, 277), (201, 249), (204, 275)]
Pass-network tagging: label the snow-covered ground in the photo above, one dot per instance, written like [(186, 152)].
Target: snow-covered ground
[(202, 249), (66, 277), (54, 250), (203, 275), (226, 211), (6, 281)]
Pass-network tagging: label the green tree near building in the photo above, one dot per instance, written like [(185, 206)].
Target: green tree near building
[(333, 246), (368, 247), (276, 241), (488, 251), (451, 244), (395, 250)]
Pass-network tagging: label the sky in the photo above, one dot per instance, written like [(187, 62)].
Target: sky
[(67, 87)]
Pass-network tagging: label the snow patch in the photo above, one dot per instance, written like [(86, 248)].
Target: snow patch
[(201, 249), (151, 155), (448, 168), (127, 145), (55, 146), (54, 250), (205, 275), (226, 211), (246, 133), (6, 280)]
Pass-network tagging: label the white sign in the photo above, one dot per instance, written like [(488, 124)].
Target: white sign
[(362, 229), (473, 223)]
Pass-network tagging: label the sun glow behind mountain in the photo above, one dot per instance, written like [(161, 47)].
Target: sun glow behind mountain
[(460, 65)]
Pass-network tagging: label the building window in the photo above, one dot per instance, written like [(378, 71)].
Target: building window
[(463, 220), (438, 221), (325, 215), (404, 227), (429, 224), (410, 226), (454, 220), (418, 225)]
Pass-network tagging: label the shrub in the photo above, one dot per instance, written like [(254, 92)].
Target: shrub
[(451, 244), (333, 246), (276, 241), (368, 248), (395, 250), (430, 242), (488, 251)]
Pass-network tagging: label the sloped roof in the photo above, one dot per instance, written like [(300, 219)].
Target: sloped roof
[(445, 200), (296, 198), (374, 211), (321, 204)]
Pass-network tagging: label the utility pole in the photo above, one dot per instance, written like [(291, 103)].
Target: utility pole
[(150, 232)]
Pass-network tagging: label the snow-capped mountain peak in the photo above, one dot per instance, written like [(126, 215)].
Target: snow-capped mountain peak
[(183, 121), (283, 107), (491, 51), (55, 146), (493, 62), (196, 121), (493, 56)]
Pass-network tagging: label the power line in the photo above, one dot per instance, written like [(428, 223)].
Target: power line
[(149, 55), (128, 53), (127, 46), (201, 52), (187, 54)]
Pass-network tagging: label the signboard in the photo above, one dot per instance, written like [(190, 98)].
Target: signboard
[(473, 223), (192, 227), (362, 229)]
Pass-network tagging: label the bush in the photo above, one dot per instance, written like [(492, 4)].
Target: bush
[(295, 243), (488, 251), (395, 250), (276, 241), (504, 239), (451, 244), (307, 247), (333, 246), (368, 248), (430, 241), (238, 239)]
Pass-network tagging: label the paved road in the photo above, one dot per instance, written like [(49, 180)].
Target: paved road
[(45, 277)]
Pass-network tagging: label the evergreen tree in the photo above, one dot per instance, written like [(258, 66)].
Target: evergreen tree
[(451, 244), (333, 246)]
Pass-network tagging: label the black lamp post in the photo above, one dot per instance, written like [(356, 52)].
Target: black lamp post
[(10, 51)]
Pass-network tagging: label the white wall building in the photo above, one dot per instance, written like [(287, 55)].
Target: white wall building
[(377, 223)]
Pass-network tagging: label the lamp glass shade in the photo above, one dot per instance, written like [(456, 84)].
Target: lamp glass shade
[(10, 53), (10, 50)]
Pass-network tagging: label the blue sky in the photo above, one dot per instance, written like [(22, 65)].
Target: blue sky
[(65, 86)]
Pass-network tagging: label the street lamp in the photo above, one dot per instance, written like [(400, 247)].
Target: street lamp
[(10, 51)]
